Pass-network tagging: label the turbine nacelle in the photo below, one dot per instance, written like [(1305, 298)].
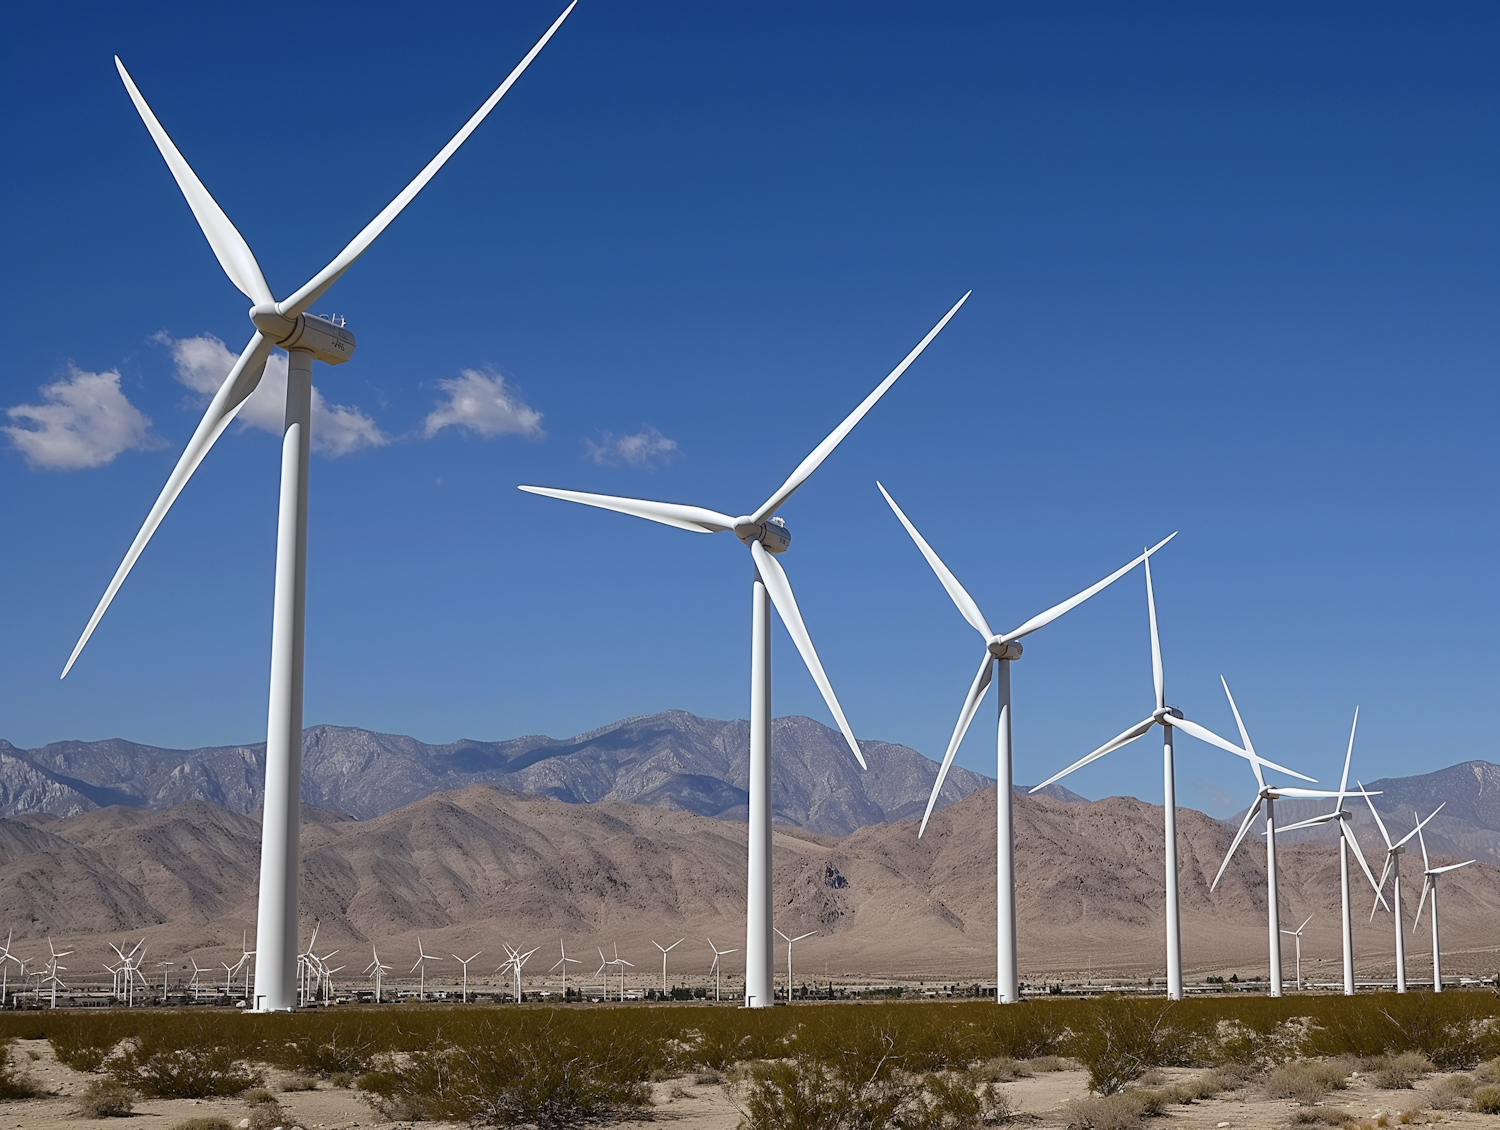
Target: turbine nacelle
[(1000, 648), (772, 534), (1166, 712), (326, 340)]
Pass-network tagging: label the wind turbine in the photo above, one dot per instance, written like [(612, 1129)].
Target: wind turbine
[(5, 959), (715, 968), (1297, 934), (464, 961), (377, 970), (305, 338), (1265, 799), (516, 960), (664, 951), (1347, 839), (1393, 854), (1429, 883), (1170, 719), (422, 959), (196, 983), (604, 964), (767, 537), (562, 964), (166, 967), (53, 967), (622, 963), (1001, 650), (789, 942)]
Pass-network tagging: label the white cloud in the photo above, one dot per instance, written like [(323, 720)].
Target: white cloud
[(85, 422), (203, 363), (645, 448), (481, 402)]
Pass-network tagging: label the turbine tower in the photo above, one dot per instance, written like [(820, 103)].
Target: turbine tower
[(664, 951), (789, 942), (1001, 650), (305, 338), (1430, 884), (1169, 718), (766, 536), (1265, 800), (562, 963), (1347, 839), (715, 968), (1393, 853)]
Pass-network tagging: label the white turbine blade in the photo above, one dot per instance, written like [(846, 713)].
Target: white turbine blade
[(1045, 618), (229, 246), (1305, 921), (966, 605), (1348, 756), (238, 385), (1379, 823), (1452, 867), (1250, 816), (799, 937), (1123, 738), (1311, 823), (1359, 855), (1156, 675), (780, 590), (822, 451), (784, 937), (1245, 737), (1306, 794), (1203, 734), (1420, 824), (1421, 902), (325, 278), (977, 688), (1426, 863), (694, 518)]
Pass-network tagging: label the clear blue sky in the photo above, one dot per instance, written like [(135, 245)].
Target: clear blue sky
[(1234, 274)]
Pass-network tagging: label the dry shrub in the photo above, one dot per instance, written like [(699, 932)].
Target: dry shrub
[(1045, 1063), (1126, 1038), (1002, 1069), (84, 1042), (299, 1083), (1488, 1072), (1025, 1030), (202, 1124), (1486, 1100), (193, 1071), (1452, 1093), (104, 1098), (1308, 1080), (1321, 1116), (1118, 1111), (1454, 1030), (15, 1084), (1398, 1072)]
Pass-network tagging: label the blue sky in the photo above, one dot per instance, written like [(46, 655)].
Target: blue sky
[(1233, 273)]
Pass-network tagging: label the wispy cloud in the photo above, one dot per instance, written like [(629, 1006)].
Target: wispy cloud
[(480, 403), (203, 362), (85, 421), (645, 448)]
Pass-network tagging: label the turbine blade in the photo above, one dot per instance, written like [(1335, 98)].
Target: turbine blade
[(1452, 867), (1359, 855), (1344, 780), (325, 278), (1313, 822), (229, 246), (1421, 902), (966, 605), (1379, 823), (1245, 736), (780, 590), (1421, 839), (1307, 794), (1305, 921), (1156, 674), (694, 518), (1203, 734), (822, 451), (1123, 738), (1420, 824), (238, 385), (1045, 618), (977, 688), (1250, 816)]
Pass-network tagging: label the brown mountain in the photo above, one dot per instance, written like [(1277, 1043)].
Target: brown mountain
[(480, 865)]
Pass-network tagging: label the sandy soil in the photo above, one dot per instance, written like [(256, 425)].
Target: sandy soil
[(684, 1104)]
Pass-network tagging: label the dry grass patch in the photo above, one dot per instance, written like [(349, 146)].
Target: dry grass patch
[(1398, 1072), (104, 1098), (1486, 1100), (1308, 1080), (202, 1124)]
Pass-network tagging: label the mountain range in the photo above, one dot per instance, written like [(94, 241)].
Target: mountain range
[(673, 760)]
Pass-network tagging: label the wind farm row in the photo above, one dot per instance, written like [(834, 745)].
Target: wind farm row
[(277, 973)]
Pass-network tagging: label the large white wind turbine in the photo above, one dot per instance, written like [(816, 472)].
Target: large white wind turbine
[(305, 338), (1001, 650), (1265, 800), (1430, 884), (1393, 853), (1170, 719), (767, 537), (1347, 839)]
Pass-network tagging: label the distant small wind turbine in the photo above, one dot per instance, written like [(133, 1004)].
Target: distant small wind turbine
[(562, 963), (6, 957), (306, 338), (1393, 853), (53, 967), (196, 983), (1265, 801), (1430, 884), (377, 970), (766, 536), (464, 961), (1347, 839), (664, 951), (604, 964), (1297, 934), (789, 942), (422, 959), (715, 968)]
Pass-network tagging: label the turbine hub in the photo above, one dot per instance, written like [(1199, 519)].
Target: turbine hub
[(325, 339), (1165, 712), (1000, 649), (772, 534)]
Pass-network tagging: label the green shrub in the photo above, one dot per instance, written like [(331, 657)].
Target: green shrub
[(104, 1098), (83, 1043), (195, 1071), (1123, 1039)]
